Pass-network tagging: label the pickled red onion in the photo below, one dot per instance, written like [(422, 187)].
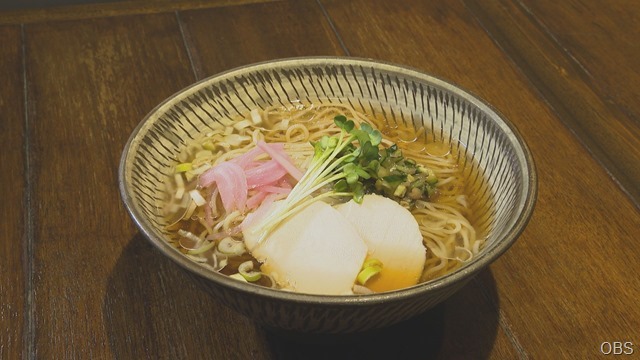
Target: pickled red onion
[(246, 182)]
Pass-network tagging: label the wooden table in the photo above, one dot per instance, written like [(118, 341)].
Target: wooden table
[(79, 281)]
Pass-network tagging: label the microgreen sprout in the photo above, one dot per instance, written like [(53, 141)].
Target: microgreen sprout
[(338, 162)]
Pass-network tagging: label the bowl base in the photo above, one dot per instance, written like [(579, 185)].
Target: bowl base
[(420, 337), (428, 325)]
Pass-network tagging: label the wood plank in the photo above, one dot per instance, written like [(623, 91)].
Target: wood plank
[(101, 290), (72, 11), (603, 42), (14, 231), (34, 4), (586, 74), (224, 38), (593, 307), (550, 285)]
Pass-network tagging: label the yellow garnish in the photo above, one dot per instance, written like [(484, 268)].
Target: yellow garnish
[(184, 167)]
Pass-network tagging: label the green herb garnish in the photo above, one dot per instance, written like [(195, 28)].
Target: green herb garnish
[(337, 161), (351, 171)]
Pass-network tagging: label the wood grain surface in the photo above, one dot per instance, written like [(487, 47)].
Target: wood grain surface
[(79, 281), (223, 38), (588, 75), (90, 10), (14, 236)]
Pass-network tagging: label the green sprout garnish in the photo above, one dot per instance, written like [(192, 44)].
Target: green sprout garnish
[(352, 170), (337, 161)]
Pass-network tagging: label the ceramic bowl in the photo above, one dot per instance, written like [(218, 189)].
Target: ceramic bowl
[(402, 94)]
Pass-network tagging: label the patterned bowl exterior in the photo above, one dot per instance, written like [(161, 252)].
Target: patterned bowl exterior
[(401, 95)]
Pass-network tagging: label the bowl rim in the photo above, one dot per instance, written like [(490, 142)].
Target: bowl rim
[(462, 274)]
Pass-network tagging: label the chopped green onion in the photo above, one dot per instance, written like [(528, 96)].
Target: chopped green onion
[(246, 270), (431, 177), (197, 197), (202, 248), (235, 139), (400, 191), (184, 167), (367, 273), (209, 145), (255, 117), (231, 247), (237, 276), (179, 185), (372, 262), (242, 124)]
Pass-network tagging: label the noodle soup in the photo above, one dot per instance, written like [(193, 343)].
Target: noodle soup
[(445, 210)]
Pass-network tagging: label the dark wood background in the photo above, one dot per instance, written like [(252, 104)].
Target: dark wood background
[(79, 281)]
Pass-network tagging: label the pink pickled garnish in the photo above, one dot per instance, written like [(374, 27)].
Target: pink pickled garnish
[(234, 179), (267, 173), (274, 189), (259, 213), (248, 157), (281, 157), (254, 200), (232, 185), (207, 178)]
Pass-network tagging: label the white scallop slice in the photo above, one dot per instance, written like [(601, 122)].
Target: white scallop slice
[(316, 251), (392, 236)]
